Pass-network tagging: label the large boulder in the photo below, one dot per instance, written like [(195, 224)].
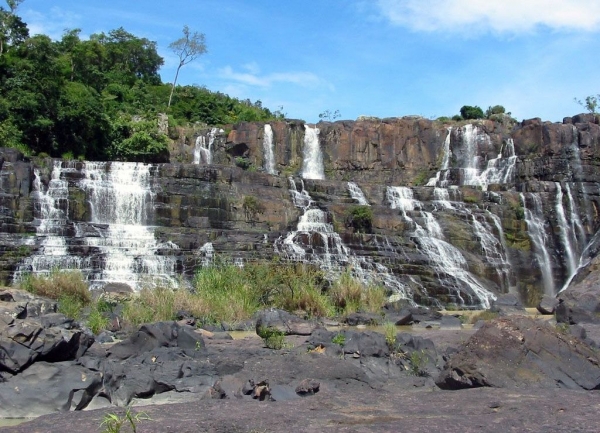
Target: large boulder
[(519, 352), (154, 335), (48, 387), (23, 342)]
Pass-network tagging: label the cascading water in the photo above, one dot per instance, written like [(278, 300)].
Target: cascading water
[(441, 177), (312, 167), (357, 194), (565, 232), (316, 242), (121, 247), (499, 170), (537, 232), (204, 147), (449, 263), (268, 151)]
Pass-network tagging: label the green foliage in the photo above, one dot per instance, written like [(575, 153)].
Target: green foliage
[(457, 118), (468, 112), (272, 337), (496, 109), (348, 295), (67, 285), (97, 320), (241, 162), (390, 331), (329, 116), (360, 218), (418, 362), (113, 423), (591, 103), (81, 96), (484, 315), (339, 339), (563, 328)]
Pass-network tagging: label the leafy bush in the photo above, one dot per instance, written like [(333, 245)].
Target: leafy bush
[(360, 218), (241, 162), (468, 112), (273, 338), (339, 339), (496, 109), (418, 362), (252, 208)]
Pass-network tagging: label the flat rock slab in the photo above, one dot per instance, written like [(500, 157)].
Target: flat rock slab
[(475, 410)]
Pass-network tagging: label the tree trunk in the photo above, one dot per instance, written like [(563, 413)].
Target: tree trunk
[(173, 87)]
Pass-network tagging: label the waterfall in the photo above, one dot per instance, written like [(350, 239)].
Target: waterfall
[(537, 233), (441, 177), (119, 244), (493, 250), (312, 167), (268, 151), (449, 263), (357, 194), (204, 147), (499, 170), (315, 241), (565, 233)]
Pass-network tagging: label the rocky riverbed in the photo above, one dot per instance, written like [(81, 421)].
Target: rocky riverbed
[(514, 373)]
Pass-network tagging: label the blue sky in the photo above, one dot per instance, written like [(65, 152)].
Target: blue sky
[(381, 58)]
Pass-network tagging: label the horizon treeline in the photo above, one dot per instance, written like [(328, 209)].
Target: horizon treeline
[(97, 98)]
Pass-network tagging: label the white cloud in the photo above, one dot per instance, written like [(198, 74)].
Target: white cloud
[(501, 16), (53, 24), (253, 77)]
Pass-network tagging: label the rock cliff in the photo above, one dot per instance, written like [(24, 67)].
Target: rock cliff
[(461, 212)]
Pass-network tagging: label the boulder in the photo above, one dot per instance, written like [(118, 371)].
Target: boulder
[(519, 352), (48, 387), (362, 344), (507, 304), (548, 304), (27, 341), (155, 335), (284, 322), (355, 319), (450, 323)]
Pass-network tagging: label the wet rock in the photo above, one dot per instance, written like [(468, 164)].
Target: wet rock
[(450, 322), (517, 351)]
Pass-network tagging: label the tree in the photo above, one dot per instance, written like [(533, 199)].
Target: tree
[(329, 116), (496, 109), (12, 29), (591, 103), (188, 48), (468, 112)]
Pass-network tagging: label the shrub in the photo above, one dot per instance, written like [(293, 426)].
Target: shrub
[(273, 338), (390, 332), (468, 112), (418, 362), (360, 218), (496, 109), (348, 295), (339, 339), (241, 162), (57, 285)]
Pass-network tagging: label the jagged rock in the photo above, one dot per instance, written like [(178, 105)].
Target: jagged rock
[(308, 387), (519, 352), (548, 304), (155, 335), (364, 344), (24, 342), (48, 387), (284, 322)]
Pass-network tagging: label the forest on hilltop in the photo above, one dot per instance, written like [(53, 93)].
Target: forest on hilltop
[(97, 98)]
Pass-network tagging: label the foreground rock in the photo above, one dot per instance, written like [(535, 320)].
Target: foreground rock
[(518, 352)]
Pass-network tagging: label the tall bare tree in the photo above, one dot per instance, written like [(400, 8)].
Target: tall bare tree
[(187, 48)]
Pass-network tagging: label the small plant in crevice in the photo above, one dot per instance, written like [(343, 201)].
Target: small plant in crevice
[(390, 331), (339, 339), (113, 423), (273, 338), (418, 362)]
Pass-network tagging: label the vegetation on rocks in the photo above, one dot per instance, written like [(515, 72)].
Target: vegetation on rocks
[(99, 98)]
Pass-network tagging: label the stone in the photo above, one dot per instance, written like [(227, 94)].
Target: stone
[(355, 319), (450, 323), (284, 322), (547, 305), (507, 304), (308, 387), (519, 352)]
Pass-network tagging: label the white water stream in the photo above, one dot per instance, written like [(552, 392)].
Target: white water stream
[(312, 167), (268, 151)]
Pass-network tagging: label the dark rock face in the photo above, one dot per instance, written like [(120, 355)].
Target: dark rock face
[(193, 205), (518, 352), (284, 322)]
